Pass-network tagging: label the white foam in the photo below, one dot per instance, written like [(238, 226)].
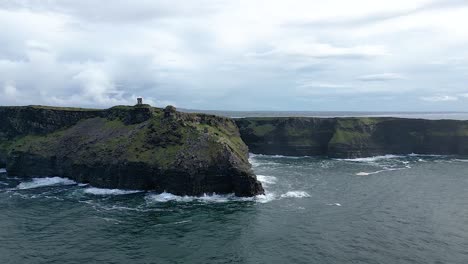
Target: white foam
[(425, 155), (363, 173), (3, 170), (254, 162), (42, 182), (100, 191), (295, 194), (214, 198), (266, 180), (335, 204), (251, 155), (265, 198), (287, 157), (166, 197), (372, 159)]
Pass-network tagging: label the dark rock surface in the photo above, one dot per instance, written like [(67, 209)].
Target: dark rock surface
[(125, 147), (353, 137)]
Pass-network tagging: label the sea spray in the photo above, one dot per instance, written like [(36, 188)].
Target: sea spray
[(43, 182), (101, 191)]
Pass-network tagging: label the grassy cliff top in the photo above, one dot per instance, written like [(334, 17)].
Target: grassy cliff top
[(61, 108), (121, 133)]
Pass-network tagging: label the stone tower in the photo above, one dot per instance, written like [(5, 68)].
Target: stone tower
[(139, 101)]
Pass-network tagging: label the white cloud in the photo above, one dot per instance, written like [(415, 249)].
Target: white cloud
[(439, 98), (380, 77), (232, 54)]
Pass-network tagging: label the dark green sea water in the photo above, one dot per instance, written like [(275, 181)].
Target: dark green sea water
[(410, 209)]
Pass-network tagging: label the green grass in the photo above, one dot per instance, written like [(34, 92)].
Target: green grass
[(63, 108), (156, 141)]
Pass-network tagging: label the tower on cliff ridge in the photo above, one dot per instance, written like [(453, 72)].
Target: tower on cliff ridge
[(139, 101)]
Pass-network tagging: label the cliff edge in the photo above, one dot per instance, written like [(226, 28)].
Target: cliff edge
[(353, 137), (128, 147)]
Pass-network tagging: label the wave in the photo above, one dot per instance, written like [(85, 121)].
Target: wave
[(3, 170), (295, 194), (42, 182), (253, 162), (373, 159), (265, 198), (391, 156), (425, 155), (214, 198), (362, 173), (101, 191), (266, 180), (167, 197), (251, 155)]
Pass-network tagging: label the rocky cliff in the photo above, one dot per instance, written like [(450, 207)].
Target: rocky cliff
[(353, 137), (125, 147)]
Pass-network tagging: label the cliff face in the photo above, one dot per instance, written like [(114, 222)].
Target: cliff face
[(353, 137), (128, 147)]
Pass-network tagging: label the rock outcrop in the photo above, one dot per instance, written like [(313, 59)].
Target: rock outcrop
[(138, 147), (353, 137)]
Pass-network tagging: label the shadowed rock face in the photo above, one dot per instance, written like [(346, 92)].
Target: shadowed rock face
[(353, 137), (128, 147)]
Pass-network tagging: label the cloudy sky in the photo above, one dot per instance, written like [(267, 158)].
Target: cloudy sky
[(376, 55)]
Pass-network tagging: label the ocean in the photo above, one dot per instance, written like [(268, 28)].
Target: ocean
[(388, 209)]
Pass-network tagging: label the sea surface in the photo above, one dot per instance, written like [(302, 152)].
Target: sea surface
[(389, 209)]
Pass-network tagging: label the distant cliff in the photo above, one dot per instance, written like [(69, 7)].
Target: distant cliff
[(126, 147), (353, 137)]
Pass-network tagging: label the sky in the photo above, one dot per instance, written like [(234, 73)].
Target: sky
[(334, 55)]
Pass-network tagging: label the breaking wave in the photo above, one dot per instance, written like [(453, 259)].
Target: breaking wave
[(267, 180), (214, 198), (362, 173), (390, 157), (373, 159), (100, 191), (42, 182), (295, 194), (251, 155), (3, 170)]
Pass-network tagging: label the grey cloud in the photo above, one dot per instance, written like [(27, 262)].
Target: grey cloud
[(116, 11), (380, 77), (216, 55)]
